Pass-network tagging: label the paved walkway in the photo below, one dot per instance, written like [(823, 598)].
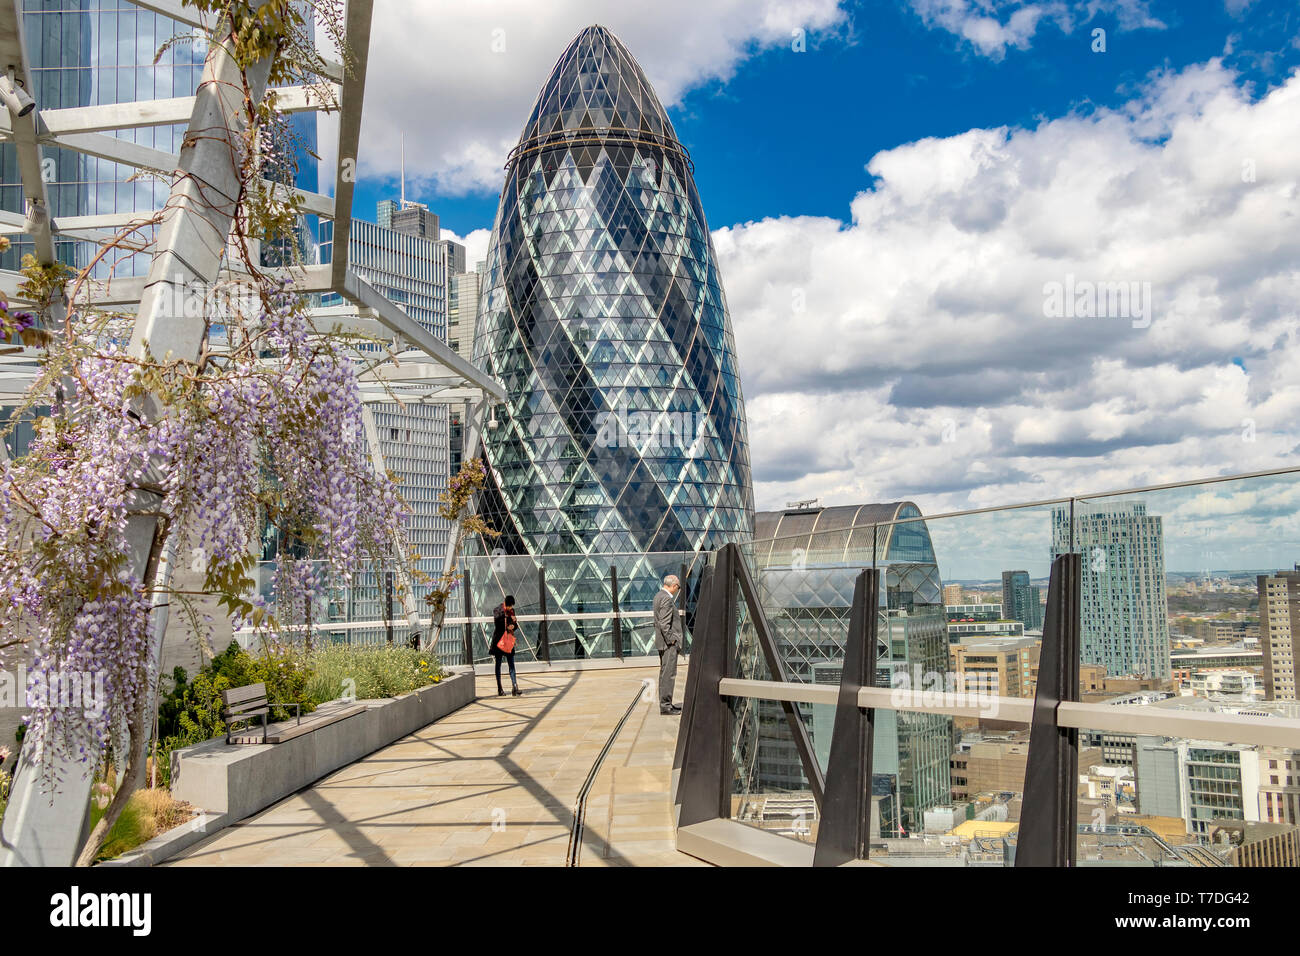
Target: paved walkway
[(495, 784)]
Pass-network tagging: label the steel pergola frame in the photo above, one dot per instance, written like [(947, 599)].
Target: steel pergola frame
[(47, 829)]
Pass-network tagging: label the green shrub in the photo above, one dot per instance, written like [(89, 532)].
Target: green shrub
[(148, 813), (191, 711), (134, 826), (367, 673)]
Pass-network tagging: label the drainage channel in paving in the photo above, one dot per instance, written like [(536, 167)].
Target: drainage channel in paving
[(580, 809)]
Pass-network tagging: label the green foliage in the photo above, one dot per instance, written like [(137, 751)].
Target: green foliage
[(132, 828), (148, 813), (43, 281), (369, 672), (456, 505), (191, 712)]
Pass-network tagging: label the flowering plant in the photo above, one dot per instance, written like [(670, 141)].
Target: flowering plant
[(258, 436), (4, 778)]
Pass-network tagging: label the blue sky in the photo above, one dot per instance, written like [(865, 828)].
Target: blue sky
[(881, 78), (892, 206)]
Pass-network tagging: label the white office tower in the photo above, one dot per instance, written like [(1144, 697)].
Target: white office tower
[(411, 271), (1125, 615), (462, 311)]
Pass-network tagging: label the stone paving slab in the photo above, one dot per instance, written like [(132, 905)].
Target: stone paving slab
[(494, 783)]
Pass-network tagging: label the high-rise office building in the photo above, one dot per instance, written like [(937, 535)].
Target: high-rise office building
[(95, 53), (410, 270), (1124, 611), (462, 311), (454, 255), (603, 315), (1020, 600), (409, 218), (462, 318), (1279, 632)]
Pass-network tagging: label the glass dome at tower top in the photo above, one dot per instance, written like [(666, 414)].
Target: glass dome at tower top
[(596, 90)]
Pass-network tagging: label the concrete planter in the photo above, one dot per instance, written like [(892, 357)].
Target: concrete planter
[(231, 782)]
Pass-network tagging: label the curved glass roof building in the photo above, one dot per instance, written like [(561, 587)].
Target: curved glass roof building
[(807, 561), (604, 317)]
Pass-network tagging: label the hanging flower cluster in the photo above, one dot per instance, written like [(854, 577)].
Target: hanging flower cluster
[(262, 434)]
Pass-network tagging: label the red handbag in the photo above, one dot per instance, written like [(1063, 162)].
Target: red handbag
[(506, 643)]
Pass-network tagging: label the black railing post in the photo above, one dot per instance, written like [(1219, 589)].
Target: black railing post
[(844, 833), (543, 631), (686, 721), (469, 628), (1049, 816), (705, 784), (618, 621), (681, 603), (388, 606), (729, 622)]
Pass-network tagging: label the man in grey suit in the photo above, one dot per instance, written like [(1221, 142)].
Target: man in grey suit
[(668, 641)]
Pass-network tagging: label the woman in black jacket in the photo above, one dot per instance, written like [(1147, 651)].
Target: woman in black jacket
[(504, 623)]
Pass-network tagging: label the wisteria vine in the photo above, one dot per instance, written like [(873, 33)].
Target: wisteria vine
[(265, 429)]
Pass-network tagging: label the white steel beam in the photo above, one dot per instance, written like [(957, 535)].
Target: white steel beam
[(172, 111), (144, 157), (345, 173), (359, 290), (13, 51), (127, 290)]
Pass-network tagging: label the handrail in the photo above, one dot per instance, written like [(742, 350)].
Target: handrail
[(450, 620), (1154, 721), (1033, 504)]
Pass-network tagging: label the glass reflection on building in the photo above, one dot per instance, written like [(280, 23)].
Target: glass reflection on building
[(807, 562), (99, 52)]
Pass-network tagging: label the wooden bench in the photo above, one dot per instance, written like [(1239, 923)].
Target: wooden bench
[(248, 704)]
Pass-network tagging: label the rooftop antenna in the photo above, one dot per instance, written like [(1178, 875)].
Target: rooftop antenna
[(403, 205)]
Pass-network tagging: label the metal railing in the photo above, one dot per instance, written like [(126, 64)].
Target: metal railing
[(452, 648), (1048, 827)]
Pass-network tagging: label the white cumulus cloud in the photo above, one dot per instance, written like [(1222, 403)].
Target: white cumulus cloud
[(991, 27), (908, 352), (459, 78)]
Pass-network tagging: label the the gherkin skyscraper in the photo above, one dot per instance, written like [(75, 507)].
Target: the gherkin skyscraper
[(604, 318)]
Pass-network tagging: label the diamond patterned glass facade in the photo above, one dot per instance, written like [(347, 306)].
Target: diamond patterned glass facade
[(603, 316)]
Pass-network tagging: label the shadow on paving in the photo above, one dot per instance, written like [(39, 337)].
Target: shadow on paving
[(331, 819)]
